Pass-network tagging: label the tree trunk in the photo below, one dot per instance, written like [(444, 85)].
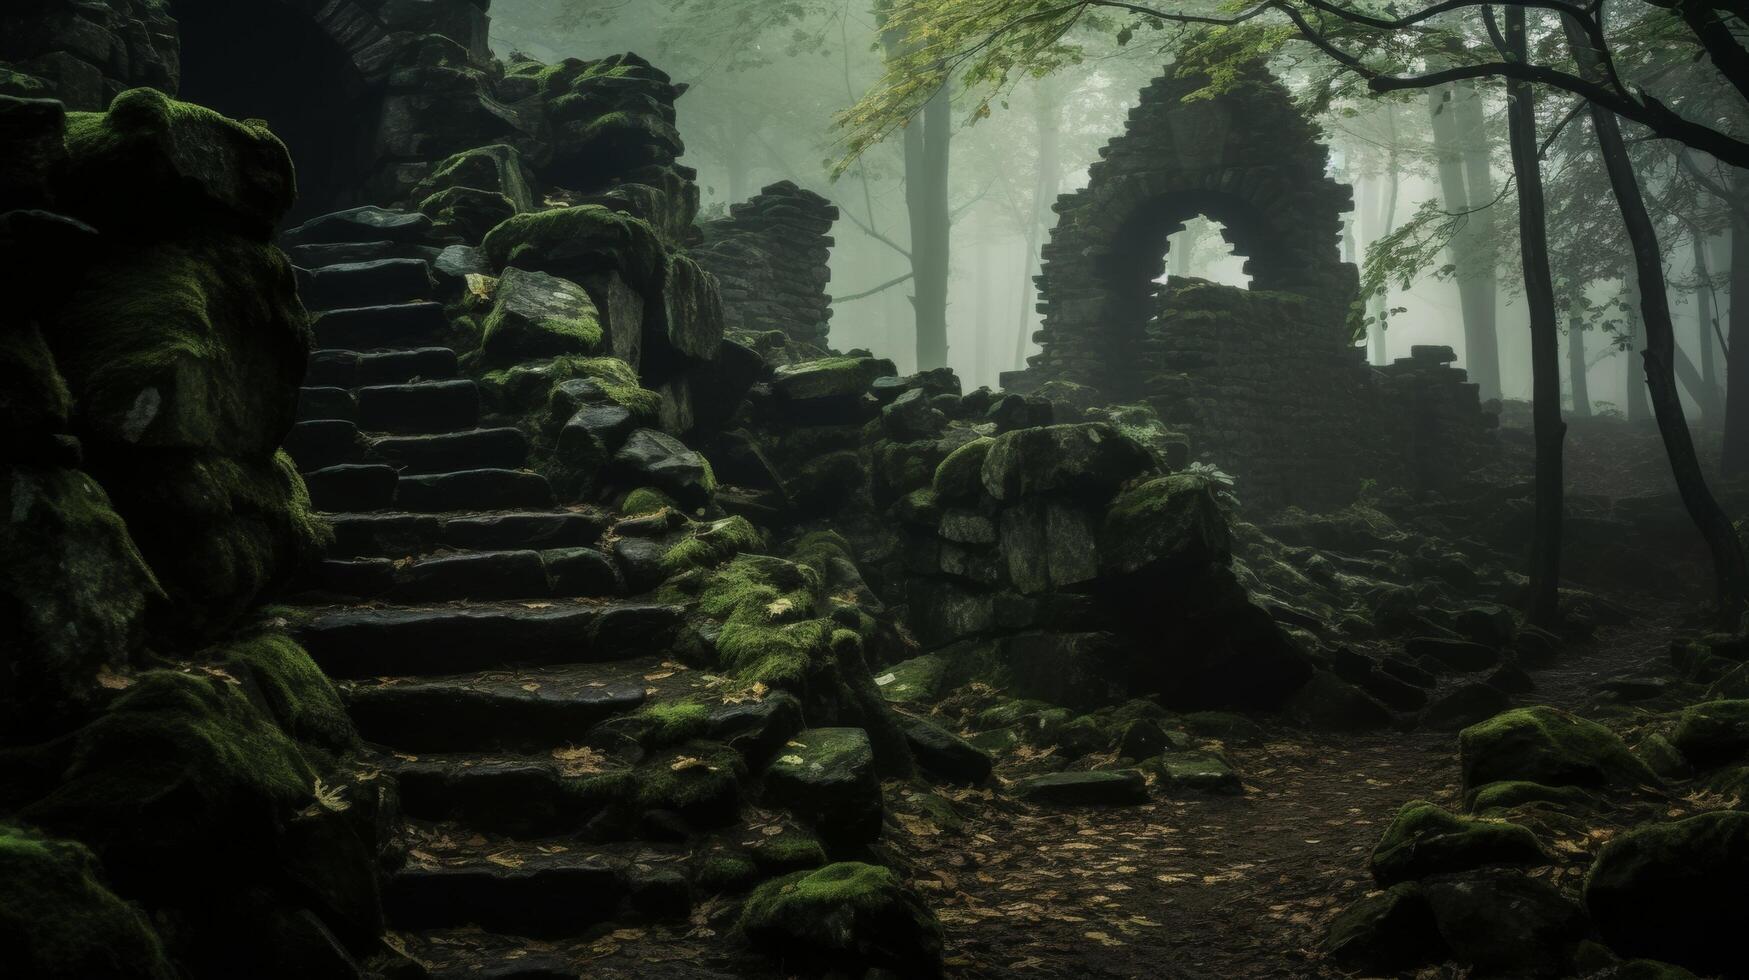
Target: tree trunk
[(1477, 264), (1481, 353), (1634, 384), (1576, 366), (1705, 324), (926, 177), (1543, 607), (1730, 574), (1736, 448), (1047, 113)]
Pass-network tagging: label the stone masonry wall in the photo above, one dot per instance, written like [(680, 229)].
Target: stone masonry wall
[(771, 257)]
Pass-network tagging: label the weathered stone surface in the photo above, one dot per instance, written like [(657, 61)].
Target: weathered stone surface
[(770, 258), (1676, 891), (1121, 787), (827, 776), (1505, 923), (943, 754), (656, 459), (535, 315), (1092, 459), (845, 916), (1425, 839), (1549, 746)]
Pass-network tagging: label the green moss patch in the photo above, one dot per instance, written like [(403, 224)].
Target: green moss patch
[(1426, 839), (58, 921), (1549, 746), (845, 915)]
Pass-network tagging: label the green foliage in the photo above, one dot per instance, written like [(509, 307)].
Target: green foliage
[(59, 920), (713, 544)]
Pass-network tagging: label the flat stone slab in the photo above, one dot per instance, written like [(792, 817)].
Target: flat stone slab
[(378, 282), (358, 369), (421, 408), (502, 448), (453, 640), (365, 328), (1116, 787), (473, 490), (399, 534)]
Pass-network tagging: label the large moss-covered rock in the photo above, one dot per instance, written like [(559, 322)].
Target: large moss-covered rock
[(1165, 526), (829, 380), (576, 243), (295, 691), (1547, 745), (59, 921), (204, 810), (1504, 923), (257, 530), (195, 345), (845, 916), (688, 322), (536, 316), (152, 165), (498, 168), (1386, 933), (1677, 892), (466, 213), (1426, 839), (827, 775), (1713, 733), (1091, 459), (73, 592)]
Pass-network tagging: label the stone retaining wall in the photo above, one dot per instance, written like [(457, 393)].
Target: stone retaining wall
[(771, 257)]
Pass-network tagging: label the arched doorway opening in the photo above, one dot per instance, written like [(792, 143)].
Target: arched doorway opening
[(1203, 248), (273, 61)]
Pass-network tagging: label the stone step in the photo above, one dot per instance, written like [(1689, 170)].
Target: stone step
[(476, 575), (421, 408), (356, 369), (532, 888), (381, 282), (322, 443), (318, 255), (351, 487), (318, 404), (483, 489), (401, 327), (398, 535), (532, 795), (501, 449), (361, 224), (350, 642), (527, 710)]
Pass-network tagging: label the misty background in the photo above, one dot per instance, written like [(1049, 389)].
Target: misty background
[(763, 100)]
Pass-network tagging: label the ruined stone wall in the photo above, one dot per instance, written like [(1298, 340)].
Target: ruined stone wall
[(771, 257), (1266, 383), (85, 54)]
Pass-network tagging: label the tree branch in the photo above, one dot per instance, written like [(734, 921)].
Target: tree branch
[(889, 284)]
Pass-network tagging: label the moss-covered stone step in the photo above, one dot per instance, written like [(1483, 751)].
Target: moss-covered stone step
[(672, 793), (483, 489), (475, 575), (355, 369), (349, 642), (398, 534), (511, 710), (352, 487), (319, 255), (502, 449), (321, 443), (381, 282), (367, 328), (421, 408), (363, 224)]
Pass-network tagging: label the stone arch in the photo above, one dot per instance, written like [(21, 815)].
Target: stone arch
[(1247, 158)]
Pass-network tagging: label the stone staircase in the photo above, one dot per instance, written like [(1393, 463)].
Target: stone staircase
[(486, 645)]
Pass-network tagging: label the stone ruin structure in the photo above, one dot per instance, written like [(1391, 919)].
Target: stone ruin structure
[(1266, 382), (770, 257)]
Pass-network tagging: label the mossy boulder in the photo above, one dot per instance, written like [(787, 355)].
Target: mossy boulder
[(1426, 839), (709, 545), (959, 478), (258, 529), (687, 323), (1547, 745), (1202, 772), (1508, 794), (151, 164), (1168, 525), (1090, 460), (295, 691), (1387, 933), (59, 921), (580, 242), (497, 168), (536, 316), (466, 213), (74, 593), (1713, 733), (845, 916), (827, 776), (835, 380), (1504, 923), (197, 345), (1677, 892)]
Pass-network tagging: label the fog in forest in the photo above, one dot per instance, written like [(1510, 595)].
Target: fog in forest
[(767, 88)]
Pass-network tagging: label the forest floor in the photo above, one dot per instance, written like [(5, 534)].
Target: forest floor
[(1193, 887)]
